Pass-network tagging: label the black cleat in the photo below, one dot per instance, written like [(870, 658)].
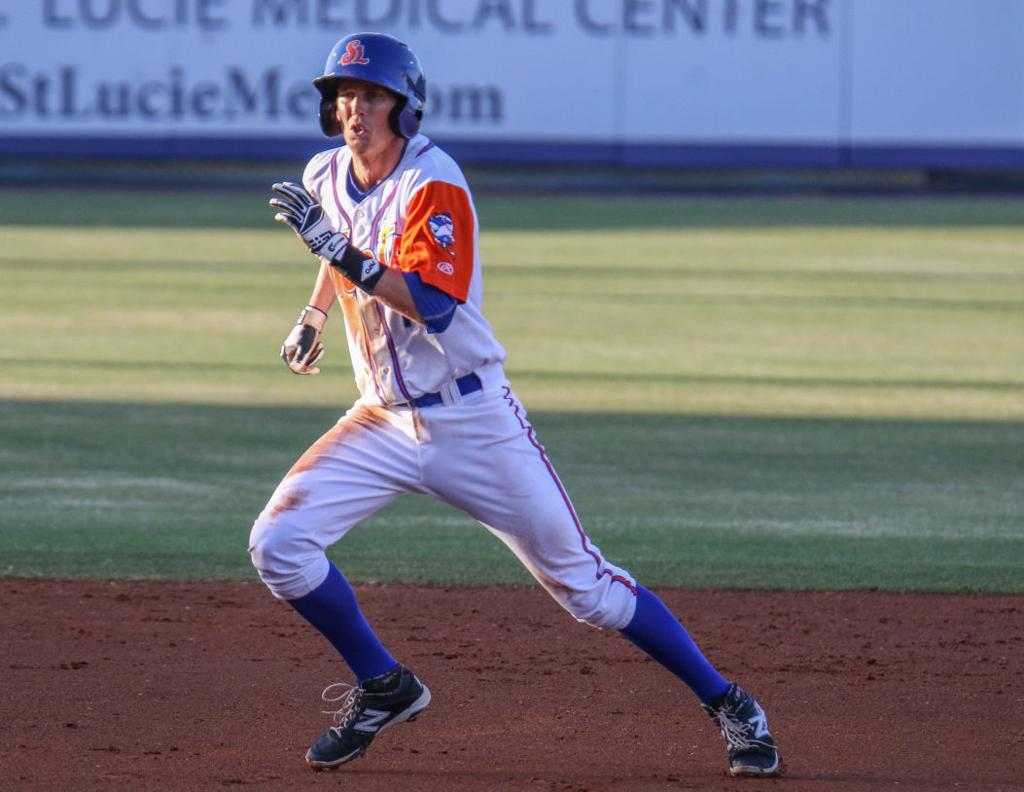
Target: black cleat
[(743, 724), (394, 697)]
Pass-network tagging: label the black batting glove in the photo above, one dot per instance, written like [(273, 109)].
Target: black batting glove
[(303, 213), (302, 349)]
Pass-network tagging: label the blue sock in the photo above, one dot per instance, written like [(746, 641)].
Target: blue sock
[(655, 630), (332, 608)]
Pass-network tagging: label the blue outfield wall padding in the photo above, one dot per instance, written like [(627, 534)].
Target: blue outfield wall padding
[(520, 152), (980, 157), (733, 155)]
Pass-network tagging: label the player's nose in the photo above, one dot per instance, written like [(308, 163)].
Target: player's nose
[(359, 104)]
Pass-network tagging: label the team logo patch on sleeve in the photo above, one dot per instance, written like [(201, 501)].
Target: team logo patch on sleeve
[(443, 228)]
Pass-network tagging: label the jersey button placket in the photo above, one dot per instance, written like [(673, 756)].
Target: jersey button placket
[(359, 228)]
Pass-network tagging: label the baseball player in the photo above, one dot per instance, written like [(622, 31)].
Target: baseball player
[(390, 217)]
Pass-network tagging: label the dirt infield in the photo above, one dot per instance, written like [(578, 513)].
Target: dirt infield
[(176, 686)]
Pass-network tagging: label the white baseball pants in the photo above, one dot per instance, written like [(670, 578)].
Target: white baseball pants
[(480, 455)]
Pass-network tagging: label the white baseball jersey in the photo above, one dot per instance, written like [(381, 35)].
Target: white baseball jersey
[(420, 219)]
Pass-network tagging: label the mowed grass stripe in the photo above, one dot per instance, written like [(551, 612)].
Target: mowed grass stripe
[(247, 208), (133, 304), (151, 490)]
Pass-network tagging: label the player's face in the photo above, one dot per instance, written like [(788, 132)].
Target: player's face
[(362, 109)]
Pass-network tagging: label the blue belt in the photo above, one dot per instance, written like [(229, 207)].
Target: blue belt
[(466, 385)]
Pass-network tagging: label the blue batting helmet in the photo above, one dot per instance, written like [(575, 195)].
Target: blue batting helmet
[(382, 60)]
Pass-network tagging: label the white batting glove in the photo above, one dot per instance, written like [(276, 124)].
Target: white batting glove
[(306, 217), (302, 348)]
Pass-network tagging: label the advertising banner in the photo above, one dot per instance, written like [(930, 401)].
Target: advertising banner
[(699, 82)]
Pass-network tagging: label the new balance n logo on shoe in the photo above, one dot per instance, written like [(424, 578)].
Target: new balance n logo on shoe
[(760, 724), (370, 720)]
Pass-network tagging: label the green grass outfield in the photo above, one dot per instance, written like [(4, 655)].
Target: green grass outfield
[(789, 393)]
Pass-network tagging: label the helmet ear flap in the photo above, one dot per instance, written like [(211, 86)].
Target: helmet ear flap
[(395, 117), (328, 118), (403, 121)]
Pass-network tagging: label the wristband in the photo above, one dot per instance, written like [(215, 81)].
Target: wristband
[(360, 268), (313, 316)]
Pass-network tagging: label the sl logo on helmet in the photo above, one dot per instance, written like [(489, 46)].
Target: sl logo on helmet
[(443, 228), (354, 54)]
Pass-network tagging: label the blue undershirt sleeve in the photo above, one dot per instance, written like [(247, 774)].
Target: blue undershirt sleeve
[(436, 308)]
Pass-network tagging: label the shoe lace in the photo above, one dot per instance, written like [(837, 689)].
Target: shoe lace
[(734, 730), (346, 699)]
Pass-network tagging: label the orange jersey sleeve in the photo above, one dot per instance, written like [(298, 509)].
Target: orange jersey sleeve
[(437, 243)]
